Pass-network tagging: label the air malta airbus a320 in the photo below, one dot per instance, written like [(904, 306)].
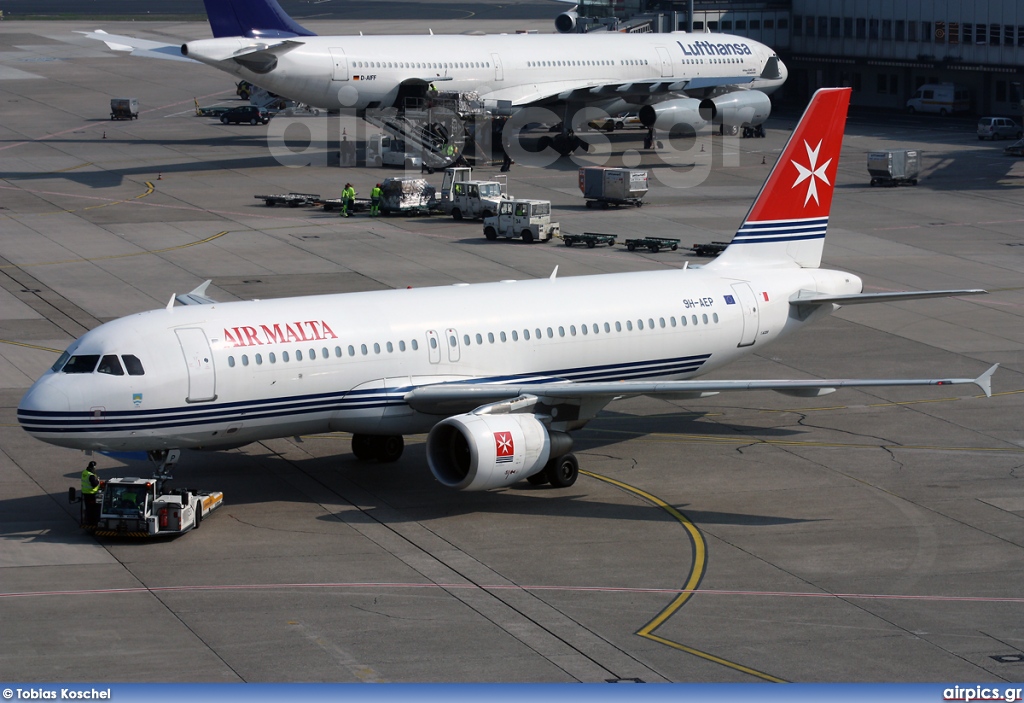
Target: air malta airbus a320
[(489, 380), (670, 78)]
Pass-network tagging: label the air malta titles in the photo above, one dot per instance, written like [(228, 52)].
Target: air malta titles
[(706, 48), (307, 331)]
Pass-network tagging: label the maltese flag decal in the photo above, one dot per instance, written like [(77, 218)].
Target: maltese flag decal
[(504, 448)]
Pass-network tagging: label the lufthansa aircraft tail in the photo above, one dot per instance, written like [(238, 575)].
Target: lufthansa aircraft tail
[(252, 18), (786, 224)]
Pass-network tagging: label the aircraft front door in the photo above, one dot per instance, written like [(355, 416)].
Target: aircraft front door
[(667, 69), (340, 64), (751, 316), (499, 72), (202, 379)]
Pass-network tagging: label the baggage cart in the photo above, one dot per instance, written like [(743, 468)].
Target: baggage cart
[(709, 248), (591, 239), (894, 167), (332, 204), (289, 199), (604, 187), (654, 244)]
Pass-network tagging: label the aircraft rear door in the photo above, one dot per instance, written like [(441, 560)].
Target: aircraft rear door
[(499, 73), (340, 64), (667, 68), (751, 315), (202, 379)]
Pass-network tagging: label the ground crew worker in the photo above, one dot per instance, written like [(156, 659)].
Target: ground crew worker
[(375, 195), (90, 489), (348, 200)]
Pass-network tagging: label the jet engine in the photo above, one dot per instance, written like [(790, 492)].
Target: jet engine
[(475, 452), (565, 23), (668, 114), (740, 108)]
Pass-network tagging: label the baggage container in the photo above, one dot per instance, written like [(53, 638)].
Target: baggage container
[(894, 167), (124, 108), (603, 187)]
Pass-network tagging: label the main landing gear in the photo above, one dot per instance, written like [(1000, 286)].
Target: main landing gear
[(560, 472), (564, 144), (383, 448)]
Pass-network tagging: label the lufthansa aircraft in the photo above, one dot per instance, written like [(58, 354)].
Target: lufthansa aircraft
[(671, 78), (498, 385)]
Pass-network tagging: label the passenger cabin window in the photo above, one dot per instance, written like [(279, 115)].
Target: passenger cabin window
[(82, 364), (109, 364)]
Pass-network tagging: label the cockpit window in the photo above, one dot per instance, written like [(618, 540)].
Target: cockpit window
[(134, 366), (82, 364), (109, 364), (59, 364)]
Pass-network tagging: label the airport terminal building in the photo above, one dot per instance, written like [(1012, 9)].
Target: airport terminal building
[(883, 49)]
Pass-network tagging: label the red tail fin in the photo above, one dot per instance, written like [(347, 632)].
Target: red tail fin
[(786, 224)]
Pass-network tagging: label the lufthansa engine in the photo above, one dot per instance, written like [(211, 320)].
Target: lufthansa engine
[(565, 23), (672, 113), (475, 452), (740, 108)]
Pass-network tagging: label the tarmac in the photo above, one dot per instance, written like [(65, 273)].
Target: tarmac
[(869, 535)]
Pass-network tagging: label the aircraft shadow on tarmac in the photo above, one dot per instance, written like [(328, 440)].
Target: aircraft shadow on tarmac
[(114, 177), (404, 491)]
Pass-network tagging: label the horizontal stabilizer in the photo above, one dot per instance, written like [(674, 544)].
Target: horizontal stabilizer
[(811, 298), (268, 49), (196, 296), (145, 48)]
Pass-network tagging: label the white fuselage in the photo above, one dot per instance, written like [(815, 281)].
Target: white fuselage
[(227, 374), (367, 71)]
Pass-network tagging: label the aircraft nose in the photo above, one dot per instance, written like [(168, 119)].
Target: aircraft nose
[(783, 71), (41, 399)]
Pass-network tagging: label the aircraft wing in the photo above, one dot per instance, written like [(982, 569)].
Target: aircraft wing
[(139, 47), (459, 397), (589, 91)]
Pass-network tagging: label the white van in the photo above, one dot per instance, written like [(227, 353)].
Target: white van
[(943, 98)]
